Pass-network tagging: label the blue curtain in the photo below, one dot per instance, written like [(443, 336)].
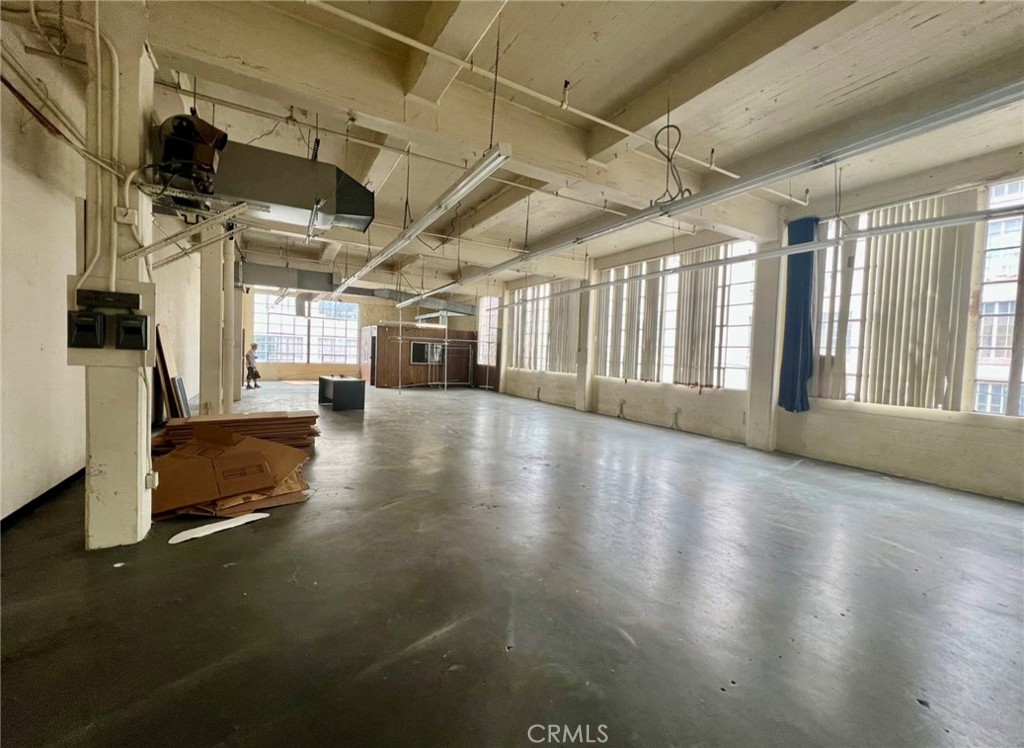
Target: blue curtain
[(798, 336)]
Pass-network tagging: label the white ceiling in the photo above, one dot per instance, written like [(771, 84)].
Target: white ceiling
[(863, 57)]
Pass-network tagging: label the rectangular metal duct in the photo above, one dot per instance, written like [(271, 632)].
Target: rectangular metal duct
[(292, 190)]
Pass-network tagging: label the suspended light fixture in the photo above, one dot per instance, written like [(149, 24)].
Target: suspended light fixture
[(489, 163)]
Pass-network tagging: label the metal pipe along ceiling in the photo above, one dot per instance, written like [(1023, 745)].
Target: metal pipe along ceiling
[(976, 105), (884, 230), (473, 68)]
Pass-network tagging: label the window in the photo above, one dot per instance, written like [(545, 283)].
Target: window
[(487, 331), (328, 335), (998, 312), (427, 353), (893, 308), (545, 328), (689, 328)]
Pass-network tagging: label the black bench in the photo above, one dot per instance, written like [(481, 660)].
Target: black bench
[(343, 393)]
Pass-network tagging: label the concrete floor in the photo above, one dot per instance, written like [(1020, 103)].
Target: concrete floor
[(473, 564)]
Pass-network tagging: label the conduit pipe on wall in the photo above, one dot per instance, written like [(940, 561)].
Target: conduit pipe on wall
[(816, 246), (229, 365), (980, 104), (102, 204)]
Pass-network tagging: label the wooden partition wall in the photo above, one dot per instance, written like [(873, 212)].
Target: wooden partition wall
[(385, 354)]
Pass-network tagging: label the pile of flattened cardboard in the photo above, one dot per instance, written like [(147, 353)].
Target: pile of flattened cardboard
[(294, 428), (218, 473)]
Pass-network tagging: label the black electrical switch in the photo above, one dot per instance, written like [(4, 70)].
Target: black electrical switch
[(132, 332), (87, 329)]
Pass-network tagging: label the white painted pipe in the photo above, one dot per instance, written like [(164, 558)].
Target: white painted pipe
[(816, 246), (557, 103), (985, 102), (229, 365)]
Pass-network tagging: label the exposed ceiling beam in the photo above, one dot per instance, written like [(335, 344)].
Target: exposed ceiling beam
[(489, 212), (1007, 163), (774, 29), (929, 104), (329, 252), (398, 263), (484, 254), (269, 274), (254, 48), (456, 28), (377, 165)]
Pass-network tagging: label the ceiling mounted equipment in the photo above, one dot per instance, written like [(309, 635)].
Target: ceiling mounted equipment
[(196, 157), (489, 163)]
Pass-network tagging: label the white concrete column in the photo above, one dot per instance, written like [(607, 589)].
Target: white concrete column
[(118, 505), (762, 391), (238, 300), (585, 359), (211, 321), (506, 317), (229, 366)]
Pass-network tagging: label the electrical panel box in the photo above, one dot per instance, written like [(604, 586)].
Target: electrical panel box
[(132, 332), (128, 323), (90, 299), (87, 329)]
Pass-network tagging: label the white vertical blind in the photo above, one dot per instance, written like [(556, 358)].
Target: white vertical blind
[(893, 310)]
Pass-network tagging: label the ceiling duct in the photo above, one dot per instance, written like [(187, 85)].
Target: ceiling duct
[(277, 186), (293, 190)]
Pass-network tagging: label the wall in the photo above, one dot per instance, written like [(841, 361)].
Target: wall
[(42, 399), (554, 387), (717, 413), (371, 311), (394, 351), (968, 451), (273, 372), (177, 311)]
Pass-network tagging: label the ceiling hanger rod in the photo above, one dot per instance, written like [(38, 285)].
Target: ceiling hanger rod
[(379, 146), (557, 103)]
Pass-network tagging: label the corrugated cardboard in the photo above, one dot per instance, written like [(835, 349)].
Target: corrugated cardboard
[(218, 464)]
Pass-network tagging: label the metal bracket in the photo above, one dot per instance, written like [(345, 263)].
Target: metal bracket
[(184, 233)]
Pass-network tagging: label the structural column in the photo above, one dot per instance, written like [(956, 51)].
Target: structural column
[(238, 302), (506, 317), (118, 504), (585, 358), (211, 321), (762, 389), (229, 364)]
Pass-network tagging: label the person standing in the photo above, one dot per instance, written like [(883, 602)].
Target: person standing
[(252, 374)]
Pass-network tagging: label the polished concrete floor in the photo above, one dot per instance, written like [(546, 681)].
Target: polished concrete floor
[(472, 564)]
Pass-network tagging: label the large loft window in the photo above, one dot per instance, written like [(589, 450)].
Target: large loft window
[(487, 331), (997, 310), (545, 327), (691, 328), (327, 334), (895, 310)]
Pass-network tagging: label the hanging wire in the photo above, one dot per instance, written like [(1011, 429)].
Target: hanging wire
[(526, 233), (494, 94), (663, 141), (316, 141)]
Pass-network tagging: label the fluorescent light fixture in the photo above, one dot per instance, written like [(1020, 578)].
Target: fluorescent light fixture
[(984, 102), (489, 163)]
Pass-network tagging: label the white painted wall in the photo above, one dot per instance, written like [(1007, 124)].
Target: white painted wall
[(717, 413), (177, 310), (968, 451), (371, 312), (42, 399), (553, 387)]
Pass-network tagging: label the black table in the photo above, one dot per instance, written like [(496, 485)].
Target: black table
[(343, 393)]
